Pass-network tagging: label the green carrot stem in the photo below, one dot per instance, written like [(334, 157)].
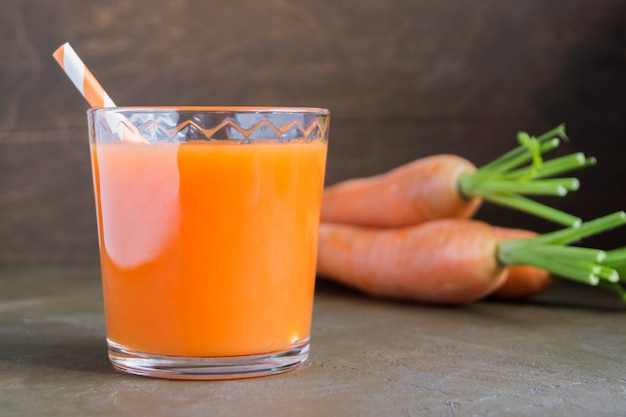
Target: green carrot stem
[(608, 273), (515, 158), (558, 187), (584, 265), (554, 167), (572, 234), (587, 254), (506, 180), (526, 205), (557, 132), (505, 158), (616, 257), (580, 271), (522, 150)]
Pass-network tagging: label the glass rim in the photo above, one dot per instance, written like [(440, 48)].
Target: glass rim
[(217, 109)]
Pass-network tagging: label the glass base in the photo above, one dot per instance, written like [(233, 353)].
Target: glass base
[(207, 368)]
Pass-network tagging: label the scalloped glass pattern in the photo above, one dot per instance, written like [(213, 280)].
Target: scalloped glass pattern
[(181, 124)]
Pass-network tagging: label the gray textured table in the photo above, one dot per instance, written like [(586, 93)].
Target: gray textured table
[(560, 354)]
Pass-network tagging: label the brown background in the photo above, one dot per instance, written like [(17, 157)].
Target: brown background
[(402, 78)]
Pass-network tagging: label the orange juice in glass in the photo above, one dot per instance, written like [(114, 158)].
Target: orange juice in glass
[(207, 221)]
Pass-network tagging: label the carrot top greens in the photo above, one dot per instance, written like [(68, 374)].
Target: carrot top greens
[(616, 259), (523, 171), (588, 266)]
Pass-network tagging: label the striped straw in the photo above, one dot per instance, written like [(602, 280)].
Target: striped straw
[(81, 77), (93, 92)]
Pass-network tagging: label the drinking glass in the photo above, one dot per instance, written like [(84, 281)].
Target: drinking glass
[(207, 222)]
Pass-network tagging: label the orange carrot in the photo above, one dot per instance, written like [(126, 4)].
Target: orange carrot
[(413, 193), (522, 281), (455, 261), (444, 261), (449, 186)]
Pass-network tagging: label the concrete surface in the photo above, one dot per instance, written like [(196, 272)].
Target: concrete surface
[(562, 354)]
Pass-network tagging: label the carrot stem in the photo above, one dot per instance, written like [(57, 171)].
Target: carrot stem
[(608, 273), (589, 228), (521, 203), (555, 166), (616, 259), (585, 265), (558, 133), (587, 254), (558, 187), (518, 156), (506, 179)]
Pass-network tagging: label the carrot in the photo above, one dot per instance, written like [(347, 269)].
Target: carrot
[(445, 261), (423, 190), (443, 186), (522, 281), (452, 261)]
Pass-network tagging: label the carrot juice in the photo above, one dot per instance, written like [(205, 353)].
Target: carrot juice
[(208, 249), (208, 224)]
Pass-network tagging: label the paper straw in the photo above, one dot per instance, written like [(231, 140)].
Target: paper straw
[(93, 92), (81, 77)]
